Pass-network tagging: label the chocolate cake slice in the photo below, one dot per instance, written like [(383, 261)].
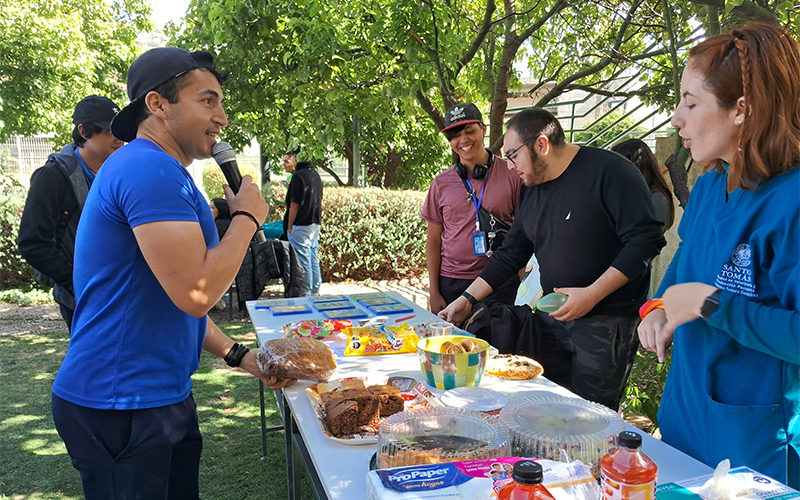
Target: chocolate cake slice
[(391, 401), (342, 417), (327, 397), (351, 384), (369, 409)]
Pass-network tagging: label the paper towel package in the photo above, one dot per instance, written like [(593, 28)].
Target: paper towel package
[(751, 486), (476, 480)]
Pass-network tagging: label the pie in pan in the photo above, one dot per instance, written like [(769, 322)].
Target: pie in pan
[(513, 366)]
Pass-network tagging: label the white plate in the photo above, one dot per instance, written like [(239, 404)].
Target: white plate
[(474, 398)]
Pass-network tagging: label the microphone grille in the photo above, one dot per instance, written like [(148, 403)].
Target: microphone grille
[(223, 153)]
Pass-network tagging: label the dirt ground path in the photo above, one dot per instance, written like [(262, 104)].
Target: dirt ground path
[(38, 318)]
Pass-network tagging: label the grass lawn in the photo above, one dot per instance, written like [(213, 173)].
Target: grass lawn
[(34, 463)]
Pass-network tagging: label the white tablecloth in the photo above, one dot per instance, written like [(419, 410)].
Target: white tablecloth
[(343, 468)]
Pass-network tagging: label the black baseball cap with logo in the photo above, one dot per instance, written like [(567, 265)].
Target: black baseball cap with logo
[(95, 109), (461, 114), (148, 72)]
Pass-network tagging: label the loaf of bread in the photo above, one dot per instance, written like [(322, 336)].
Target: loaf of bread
[(301, 358)]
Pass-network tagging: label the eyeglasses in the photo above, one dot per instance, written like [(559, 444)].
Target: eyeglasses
[(508, 156)]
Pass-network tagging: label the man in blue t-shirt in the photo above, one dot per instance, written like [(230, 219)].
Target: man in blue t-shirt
[(149, 265)]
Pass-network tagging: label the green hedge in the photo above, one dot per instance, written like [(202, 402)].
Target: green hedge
[(366, 232), (14, 271), (371, 233)]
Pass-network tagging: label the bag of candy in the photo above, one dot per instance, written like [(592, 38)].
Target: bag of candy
[(370, 340), (316, 328)]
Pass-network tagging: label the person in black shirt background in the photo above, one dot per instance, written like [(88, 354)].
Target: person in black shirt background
[(303, 216)]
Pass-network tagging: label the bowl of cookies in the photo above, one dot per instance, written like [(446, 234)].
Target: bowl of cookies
[(452, 361)]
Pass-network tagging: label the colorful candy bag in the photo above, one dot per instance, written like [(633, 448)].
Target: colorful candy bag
[(369, 340), (315, 328)]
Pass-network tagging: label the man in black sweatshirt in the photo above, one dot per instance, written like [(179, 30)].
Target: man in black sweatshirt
[(56, 195), (587, 215)]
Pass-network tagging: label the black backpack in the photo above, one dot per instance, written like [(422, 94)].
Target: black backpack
[(265, 261)]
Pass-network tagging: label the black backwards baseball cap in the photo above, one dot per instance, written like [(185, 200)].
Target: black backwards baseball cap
[(148, 72), (95, 109), (461, 114)]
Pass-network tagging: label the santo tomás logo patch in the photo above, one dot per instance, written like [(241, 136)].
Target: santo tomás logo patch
[(736, 276), (742, 255)]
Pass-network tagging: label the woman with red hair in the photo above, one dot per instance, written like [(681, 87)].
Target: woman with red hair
[(731, 295)]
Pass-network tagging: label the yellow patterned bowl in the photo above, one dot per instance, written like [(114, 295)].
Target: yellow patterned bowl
[(448, 371)]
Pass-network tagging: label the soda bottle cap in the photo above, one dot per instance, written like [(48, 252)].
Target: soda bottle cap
[(527, 472), (629, 439)]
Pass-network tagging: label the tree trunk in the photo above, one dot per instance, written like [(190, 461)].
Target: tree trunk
[(678, 175), (500, 98), (348, 153), (322, 164), (390, 170), (264, 162)]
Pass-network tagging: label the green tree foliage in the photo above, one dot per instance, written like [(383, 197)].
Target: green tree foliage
[(304, 68), (53, 53), (299, 79)]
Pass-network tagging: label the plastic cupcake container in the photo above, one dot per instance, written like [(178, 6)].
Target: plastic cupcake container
[(437, 435), (546, 426)]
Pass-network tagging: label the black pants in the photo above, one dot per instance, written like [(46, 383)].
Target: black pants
[(452, 288), (590, 356), (66, 315), (126, 454)]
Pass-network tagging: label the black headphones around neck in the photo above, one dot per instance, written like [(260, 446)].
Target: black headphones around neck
[(478, 171)]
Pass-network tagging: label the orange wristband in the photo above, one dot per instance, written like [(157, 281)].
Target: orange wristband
[(650, 306)]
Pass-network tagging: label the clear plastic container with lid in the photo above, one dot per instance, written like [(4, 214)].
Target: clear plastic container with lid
[(542, 427), (627, 473), (527, 483), (439, 435)]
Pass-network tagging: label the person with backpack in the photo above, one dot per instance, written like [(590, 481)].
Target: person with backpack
[(56, 196)]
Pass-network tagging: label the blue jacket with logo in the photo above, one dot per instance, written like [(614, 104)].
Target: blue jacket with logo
[(733, 390)]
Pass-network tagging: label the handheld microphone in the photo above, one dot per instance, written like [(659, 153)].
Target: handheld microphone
[(226, 159)]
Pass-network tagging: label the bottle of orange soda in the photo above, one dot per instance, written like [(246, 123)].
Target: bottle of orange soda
[(527, 483), (627, 473)]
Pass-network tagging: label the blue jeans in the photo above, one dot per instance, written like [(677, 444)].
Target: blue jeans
[(305, 240)]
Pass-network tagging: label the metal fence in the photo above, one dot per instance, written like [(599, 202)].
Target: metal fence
[(20, 156)]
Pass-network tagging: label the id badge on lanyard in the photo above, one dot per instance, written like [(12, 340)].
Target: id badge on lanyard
[(479, 245)]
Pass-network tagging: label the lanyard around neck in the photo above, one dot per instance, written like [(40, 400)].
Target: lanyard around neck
[(476, 202)]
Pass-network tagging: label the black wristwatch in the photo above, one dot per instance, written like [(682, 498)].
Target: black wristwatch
[(236, 354), (710, 305), (469, 298)]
